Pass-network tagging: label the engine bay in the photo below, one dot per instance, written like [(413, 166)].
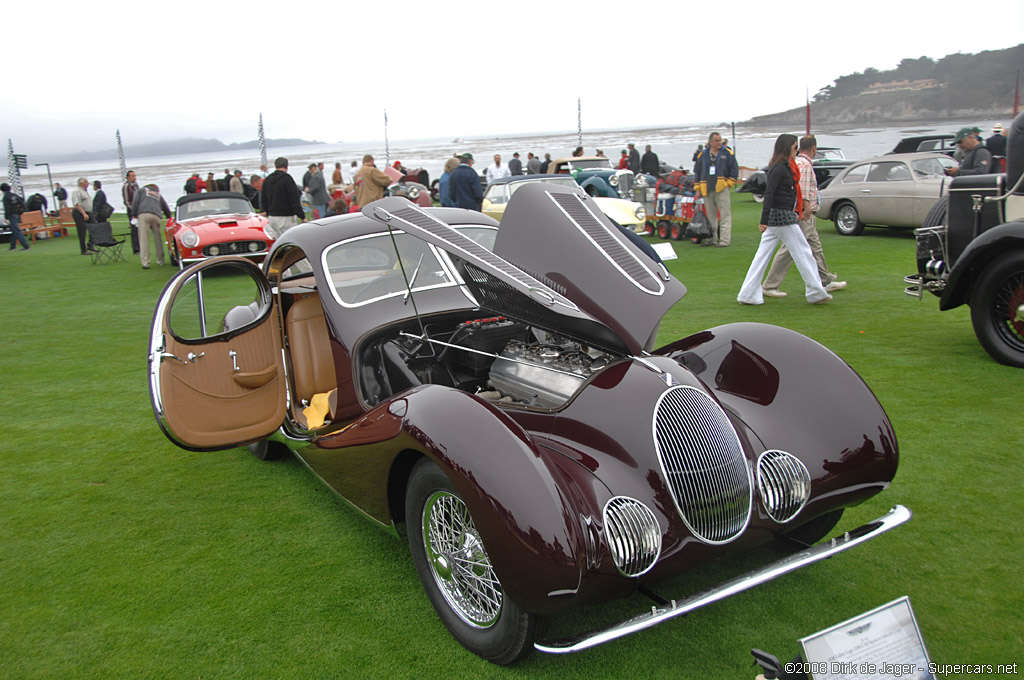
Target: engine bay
[(496, 358)]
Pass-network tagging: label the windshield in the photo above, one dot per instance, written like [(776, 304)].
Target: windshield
[(932, 166), (590, 163), (223, 205)]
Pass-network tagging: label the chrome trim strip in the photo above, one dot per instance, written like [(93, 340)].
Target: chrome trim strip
[(896, 516), (607, 255)]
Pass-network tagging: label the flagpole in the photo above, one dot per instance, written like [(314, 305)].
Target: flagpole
[(263, 145), (579, 120), (807, 98), (1016, 97), (120, 158), (387, 149)]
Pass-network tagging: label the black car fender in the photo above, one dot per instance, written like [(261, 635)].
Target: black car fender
[(976, 256)]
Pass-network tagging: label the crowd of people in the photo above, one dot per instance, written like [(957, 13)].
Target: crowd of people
[(787, 219)]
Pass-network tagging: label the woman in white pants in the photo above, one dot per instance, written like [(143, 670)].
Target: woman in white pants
[(779, 217)]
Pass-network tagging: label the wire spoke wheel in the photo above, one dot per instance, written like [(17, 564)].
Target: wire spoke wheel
[(458, 561)]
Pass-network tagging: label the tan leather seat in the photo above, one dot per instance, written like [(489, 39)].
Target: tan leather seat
[(310, 350)]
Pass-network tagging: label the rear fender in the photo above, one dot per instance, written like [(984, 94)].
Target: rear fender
[(529, 527), (975, 258), (602, 187)]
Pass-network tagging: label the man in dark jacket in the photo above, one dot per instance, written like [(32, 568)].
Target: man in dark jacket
[(978, 159), (464, 186), (997, 142), (634, 158), (128, 190), (60, 194), (281, 201), (649, 163), (515, 166), (13, 207)]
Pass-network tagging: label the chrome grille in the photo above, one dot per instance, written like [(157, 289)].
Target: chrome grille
[(235, 248), (703, 463), (784, 484), (633, 535)]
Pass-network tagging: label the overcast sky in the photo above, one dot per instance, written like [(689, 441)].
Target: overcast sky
[(328, 70)]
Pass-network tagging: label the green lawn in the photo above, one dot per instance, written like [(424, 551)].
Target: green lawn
[(122, 556)]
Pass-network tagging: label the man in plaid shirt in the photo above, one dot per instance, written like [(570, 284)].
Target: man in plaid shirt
[(809, 189)]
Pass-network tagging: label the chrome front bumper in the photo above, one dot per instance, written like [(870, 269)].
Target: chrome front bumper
[(895, 517)]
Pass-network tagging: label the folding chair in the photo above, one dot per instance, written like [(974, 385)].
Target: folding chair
[(102, 244)]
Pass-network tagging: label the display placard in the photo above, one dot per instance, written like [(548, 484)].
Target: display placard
[(883, 643)]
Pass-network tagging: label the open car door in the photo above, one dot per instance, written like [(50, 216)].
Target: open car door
[(216, 372)]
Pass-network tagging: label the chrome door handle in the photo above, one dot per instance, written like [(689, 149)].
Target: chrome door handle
[(234, 361), (865, 191), (168, 355), (192, 356)]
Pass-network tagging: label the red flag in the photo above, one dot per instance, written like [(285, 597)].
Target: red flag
[(1016, 97)]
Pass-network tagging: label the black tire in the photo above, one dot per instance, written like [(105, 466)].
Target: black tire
[(937, 214), (475, 612), (847, 220), (268, 450), (664, 229), (810, 533), (678, 231), (175, 258), (997, 309), (648, 228)]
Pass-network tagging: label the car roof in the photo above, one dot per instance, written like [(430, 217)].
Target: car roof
[(889, 157), (526, 178), (580, 158), (190, 198)]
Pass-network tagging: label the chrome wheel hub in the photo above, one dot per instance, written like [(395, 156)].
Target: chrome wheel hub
[(458, 561)]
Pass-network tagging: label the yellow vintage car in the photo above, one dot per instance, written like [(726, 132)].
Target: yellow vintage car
[(496, 197)]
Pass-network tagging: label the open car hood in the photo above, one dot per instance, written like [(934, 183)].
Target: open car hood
[(557, 262)]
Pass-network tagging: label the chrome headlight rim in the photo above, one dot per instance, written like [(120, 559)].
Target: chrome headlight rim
[(633, 535), (613, 180), (189, 238), (640, 212), (784, 485)]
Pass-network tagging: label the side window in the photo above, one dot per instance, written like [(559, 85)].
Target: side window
[(856, 174), (214, 301), (366, 269), (880, 172), (898, 173)]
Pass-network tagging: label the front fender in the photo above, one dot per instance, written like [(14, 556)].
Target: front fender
[(795, 395), (600, 185), (530, 531), (976, 256)]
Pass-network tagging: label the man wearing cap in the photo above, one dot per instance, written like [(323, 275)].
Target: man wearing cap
[(997, 142), (634, 158), (977, 159), (515, 166), (464, 186)]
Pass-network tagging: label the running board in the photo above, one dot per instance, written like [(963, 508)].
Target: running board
[(896, 516)]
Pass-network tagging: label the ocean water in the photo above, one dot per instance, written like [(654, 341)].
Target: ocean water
[(674, 145)]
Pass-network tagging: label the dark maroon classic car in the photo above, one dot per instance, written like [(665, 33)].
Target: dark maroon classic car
[(498, 392)]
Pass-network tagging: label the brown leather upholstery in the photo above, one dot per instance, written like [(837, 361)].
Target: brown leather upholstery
[(310, 349)]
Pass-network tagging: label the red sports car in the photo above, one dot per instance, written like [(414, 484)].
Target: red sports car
[(215, 223)]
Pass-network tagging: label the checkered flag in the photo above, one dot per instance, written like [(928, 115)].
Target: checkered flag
[(13, 175), (263, 145), (120, 158)]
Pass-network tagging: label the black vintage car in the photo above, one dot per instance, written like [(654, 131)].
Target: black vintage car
[(828, 162), (970, 250)]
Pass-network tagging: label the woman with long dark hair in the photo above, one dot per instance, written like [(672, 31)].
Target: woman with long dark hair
[(783, 205)]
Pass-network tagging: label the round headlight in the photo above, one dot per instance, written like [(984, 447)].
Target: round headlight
[(189, 238), (614, 180), (633, 535), (784, 483), (414, 192), (254, 246), (641, 180), (640, 212), (214, 251)]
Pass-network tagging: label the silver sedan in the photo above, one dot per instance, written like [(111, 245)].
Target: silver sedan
[(896, 190)]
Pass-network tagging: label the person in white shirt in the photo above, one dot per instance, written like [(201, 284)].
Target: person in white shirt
[(496, 171)]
